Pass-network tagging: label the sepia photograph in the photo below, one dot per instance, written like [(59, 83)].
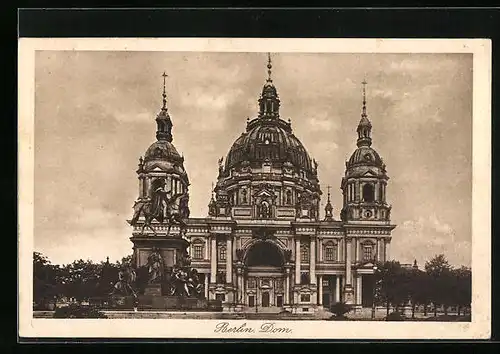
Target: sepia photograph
[(254, 192)]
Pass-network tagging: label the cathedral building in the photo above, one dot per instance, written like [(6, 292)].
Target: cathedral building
[(263, 245)]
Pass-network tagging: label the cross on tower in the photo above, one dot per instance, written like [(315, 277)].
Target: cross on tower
[(328, 187), (364, 96)]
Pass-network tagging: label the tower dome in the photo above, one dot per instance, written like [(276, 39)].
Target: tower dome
[(162, 160), (365, 181), (268, 138)]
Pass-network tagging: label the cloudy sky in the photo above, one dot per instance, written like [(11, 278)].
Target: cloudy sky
[(94, 118)]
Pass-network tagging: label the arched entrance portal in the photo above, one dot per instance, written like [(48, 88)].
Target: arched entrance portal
[(264, 280), (264, 254)]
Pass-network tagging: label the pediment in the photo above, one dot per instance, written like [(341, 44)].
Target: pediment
[(369, 173), (367, 265), (264, 193), (305, 290)]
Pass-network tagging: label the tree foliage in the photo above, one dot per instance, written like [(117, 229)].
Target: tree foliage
[(439, 284), (80, 280)]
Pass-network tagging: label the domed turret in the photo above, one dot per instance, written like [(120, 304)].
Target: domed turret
[(365, 181), (269, 151), (162, 160)]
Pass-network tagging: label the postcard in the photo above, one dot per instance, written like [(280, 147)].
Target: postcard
[(228, 188)]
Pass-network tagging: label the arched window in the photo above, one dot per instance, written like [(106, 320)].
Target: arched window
[(244, 196), (304, 254), (368, 193), (330, 251), (367, 252), (304, 278), (222, 253), (288, 197), (264, 210), (198, 249)]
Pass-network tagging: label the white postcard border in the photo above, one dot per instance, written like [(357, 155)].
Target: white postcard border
[(478, 328)]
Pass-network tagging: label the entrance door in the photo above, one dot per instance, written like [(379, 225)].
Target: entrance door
[(279, 301), (251, 301), (265, 299), (326, 300)]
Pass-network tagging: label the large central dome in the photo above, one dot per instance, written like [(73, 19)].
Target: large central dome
[(268, 173), (268, 140)]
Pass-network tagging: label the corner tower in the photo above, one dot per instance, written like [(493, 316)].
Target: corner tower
[(160, 172), (365, 181)]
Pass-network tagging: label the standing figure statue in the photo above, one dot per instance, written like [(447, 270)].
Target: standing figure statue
[(155, 267), (126, 277)]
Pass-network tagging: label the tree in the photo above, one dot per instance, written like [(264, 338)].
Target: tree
[(462, 289), (421, 290), (81, 279), (45, 279), (392, 284), (440, 273)]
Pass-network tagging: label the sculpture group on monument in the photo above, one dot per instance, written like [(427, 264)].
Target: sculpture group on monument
[(180, 280)]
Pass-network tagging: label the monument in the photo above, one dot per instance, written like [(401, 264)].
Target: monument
[(160, 275)]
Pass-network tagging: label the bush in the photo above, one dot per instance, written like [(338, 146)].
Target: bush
[(395, 316), (78, 311), (340, 309)]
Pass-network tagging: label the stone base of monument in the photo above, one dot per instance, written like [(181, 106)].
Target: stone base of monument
[(153, 290), (121, 302), (174, 303)]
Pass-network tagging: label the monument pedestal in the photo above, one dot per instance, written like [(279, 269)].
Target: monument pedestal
[(153, 290)]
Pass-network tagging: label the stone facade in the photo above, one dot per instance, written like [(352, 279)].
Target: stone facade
[(263, 246)]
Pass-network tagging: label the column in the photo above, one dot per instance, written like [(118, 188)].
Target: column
[(376, 191), (207, 246), (356, 192), (378, 250), (242, 287), (320, 292), (337, 288), (387, 250), (141, 187), (312, 260), (213, 260), (148, 186), (341, 250), (358, 289), (348, 261), (297, 260), (206, 285), (320, 251), (229, 259), (359, 256), (287, 286), (382, 250)]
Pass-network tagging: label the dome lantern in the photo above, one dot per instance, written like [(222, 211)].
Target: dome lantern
[(269, 102), (163, 121), (364, 127)]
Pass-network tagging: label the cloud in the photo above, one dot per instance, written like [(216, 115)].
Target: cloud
[(424, 237)]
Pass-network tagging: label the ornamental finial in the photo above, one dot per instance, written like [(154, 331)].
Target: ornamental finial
[(269, 67), (164, 95), (364, 97)]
